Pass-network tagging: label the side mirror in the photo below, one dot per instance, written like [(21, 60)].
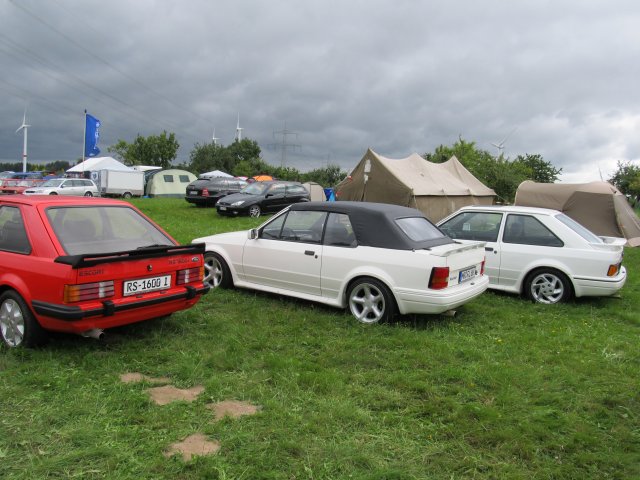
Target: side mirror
[(253, 234)]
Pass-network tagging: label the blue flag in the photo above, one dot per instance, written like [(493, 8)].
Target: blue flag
[(91, 135)]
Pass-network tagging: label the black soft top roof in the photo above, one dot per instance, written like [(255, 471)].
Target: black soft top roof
[(374, 224)]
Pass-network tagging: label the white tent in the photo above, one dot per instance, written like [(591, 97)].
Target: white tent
[(98, 163), (215, 173)]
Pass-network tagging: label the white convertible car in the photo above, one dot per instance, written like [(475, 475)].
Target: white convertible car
[(377, 259), (541, 253)]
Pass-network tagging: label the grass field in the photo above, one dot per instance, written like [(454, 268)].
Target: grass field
[(506, 389)]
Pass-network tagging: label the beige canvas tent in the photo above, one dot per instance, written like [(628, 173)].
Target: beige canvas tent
[(599, 206), (168, 183), (316, 192), (436, 189)]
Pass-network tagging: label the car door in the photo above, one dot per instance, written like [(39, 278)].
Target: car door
[(524, 240), (287, 253), (67, 188), (479, 226), (274, 198)]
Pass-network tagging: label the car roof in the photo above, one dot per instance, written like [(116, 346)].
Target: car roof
[(375, 223), (60, 200), (511, 209)]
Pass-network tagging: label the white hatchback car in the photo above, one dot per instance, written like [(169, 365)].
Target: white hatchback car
[(541, 253), (65, 186), (373, 258)]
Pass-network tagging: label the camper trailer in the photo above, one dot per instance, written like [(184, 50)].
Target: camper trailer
[(120, 183)]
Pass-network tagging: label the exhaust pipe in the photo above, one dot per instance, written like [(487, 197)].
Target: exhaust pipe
[(450, 313), (96, 333)]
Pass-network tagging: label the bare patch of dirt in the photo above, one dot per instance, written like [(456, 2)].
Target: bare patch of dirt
[(233, 409), (168, 393), (135, 377), (196, 444)]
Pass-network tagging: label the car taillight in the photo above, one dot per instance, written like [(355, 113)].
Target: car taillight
[(439, 278), (205, 192), (88, 291), (482, 268), (189, 275), (613, 270)]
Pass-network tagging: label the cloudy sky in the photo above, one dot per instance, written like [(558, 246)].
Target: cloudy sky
[(557, 78)]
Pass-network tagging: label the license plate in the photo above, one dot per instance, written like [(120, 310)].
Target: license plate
[(467, 274), (143, 285), (192, 192), (222, 208)]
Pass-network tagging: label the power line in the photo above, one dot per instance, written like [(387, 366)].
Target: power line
[(106, 62), (284, 146)]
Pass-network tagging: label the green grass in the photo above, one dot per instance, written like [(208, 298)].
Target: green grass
[(506, 389)]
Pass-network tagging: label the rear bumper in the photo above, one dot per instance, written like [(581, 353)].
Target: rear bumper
[(599, 287), (109, 309), (438, 301)]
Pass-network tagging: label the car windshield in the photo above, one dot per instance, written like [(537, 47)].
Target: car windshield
[(585, 233), (103, 229), (54, 182), (255, 188), (419, 229)]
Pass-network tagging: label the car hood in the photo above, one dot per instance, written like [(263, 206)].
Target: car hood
[(39, 190), (236, 197)]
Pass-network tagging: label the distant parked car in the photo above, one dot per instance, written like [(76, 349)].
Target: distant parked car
[(80, 265), (18, 182), (262, 197), (205, 192), (541, 253), (373, 258), (65, 186)]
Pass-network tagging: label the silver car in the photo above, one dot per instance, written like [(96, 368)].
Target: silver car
[(65, 186)]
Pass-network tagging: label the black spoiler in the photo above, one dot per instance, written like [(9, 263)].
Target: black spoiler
[(91, 259)]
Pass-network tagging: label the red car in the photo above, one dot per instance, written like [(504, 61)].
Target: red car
[(82, 264)]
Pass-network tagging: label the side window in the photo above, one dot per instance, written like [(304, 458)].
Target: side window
[(276, 190), (296, 226), (13, 236), (339, 232), (184, 178), (272, 229), (528, 230), (482, 226), (303, 226), (296, 190)]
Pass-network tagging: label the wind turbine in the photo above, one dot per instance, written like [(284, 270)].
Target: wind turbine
[(239, 130), (214, 139), (24, 128), (500, 145)]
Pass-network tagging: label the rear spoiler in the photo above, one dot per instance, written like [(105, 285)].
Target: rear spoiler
[(91, 259)]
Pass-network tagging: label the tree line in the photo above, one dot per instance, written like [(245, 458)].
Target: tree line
[(243, 158)]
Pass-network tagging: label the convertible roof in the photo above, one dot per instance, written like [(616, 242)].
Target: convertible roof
[(374, 223)]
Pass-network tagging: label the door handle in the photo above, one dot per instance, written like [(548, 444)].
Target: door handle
[(488, 249), (309, 252)]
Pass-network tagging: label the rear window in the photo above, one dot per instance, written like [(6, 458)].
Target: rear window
[(585, 233), (419, 229), (86, 230)]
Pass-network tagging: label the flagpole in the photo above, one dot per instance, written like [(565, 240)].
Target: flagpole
[(84, 140)]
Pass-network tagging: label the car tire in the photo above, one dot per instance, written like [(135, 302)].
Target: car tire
[(216, 271), (53, 193), (370, 301), (18, 326), (547, 286), (88, 194), (126, 195), (254, 211)]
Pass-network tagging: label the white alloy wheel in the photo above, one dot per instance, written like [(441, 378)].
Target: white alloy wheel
[(370, 301)]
